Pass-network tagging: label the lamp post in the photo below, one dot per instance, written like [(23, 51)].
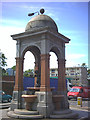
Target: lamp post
[(41, 11), (75, 75)]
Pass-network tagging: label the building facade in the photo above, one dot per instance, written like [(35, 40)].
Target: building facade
[(78, 75)]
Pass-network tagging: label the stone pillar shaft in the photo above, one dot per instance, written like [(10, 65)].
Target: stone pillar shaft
[(36, 68), (64, 80), (19, 75), (61, 75), (45, 73)]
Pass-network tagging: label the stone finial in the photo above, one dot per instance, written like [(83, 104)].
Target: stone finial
[(42, 11)]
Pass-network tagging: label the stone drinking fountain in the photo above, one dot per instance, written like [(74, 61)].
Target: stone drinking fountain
[(41, 37), (29, 99)]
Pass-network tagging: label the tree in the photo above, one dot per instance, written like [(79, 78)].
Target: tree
[(3, 62), (4, 73), (88, 71), (14, 67), (28, 73), (83, 65)]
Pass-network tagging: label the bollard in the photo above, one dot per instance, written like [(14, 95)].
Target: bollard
[(79, 101)]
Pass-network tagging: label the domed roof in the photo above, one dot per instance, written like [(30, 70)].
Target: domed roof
[(40, 21)]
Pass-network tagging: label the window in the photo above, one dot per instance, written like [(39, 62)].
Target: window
[(53, 70), (77, 68), (81, 91), (56, 75), (72, 73), (74, 90), (52, 74), (70, 85)]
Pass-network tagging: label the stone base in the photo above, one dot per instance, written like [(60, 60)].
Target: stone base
[(64, 114), (17, 101), (44, 103), (24, 114), (64, 102)]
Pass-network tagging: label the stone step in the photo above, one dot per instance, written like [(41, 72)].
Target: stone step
[(17, 116), (62, 112), (65, 116), (25, 112), (4, 105)]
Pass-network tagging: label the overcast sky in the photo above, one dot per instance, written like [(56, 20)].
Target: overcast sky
[(70, 17)]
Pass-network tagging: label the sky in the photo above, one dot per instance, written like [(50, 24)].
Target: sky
[(70, 17)]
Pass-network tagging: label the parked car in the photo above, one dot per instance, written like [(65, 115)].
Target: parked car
[(5, 97), (79, 91)]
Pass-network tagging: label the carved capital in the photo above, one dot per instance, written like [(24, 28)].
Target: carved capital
[(45, 56)]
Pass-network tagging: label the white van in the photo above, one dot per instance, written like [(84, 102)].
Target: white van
[(69, 85)]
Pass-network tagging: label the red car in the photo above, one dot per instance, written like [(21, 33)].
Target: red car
[(79, 91)]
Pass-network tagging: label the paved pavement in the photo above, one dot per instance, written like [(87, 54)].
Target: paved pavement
[(85, 104), (5, 105), (82, 111)]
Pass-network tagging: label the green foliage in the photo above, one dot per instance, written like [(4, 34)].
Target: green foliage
[(14, 67), (3, 62), (83, 65), (88, 71), (4, 73), (29, 73)]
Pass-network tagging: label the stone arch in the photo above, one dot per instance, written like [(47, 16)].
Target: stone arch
[(34, 50), (56, 51), (61, 65)]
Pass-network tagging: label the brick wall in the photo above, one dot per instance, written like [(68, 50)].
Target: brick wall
[(8, 84), (8, 78)]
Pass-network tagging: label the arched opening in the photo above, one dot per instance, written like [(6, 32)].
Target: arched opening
[(32, 68), (53, 70), (28, 70), (54, 67), (29, 61)]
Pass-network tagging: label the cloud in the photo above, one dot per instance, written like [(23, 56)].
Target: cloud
[(53, 60), (29, 61), (7, 45), (11, 22), (75, 59), (75, 56)]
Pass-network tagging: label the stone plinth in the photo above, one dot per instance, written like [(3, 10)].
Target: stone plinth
[(17, 101), (57, 100), (44, 103)]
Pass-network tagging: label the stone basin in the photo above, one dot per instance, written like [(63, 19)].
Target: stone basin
[(57, 101), (29, 99)]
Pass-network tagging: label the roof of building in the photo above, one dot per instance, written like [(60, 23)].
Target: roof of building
[(40, 21)]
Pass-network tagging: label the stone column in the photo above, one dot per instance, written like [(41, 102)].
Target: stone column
[(60, 75), (62, 84), (64, 80), (35, 69), (19, 75), (45, 73), (17, 101), (44, 96)]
